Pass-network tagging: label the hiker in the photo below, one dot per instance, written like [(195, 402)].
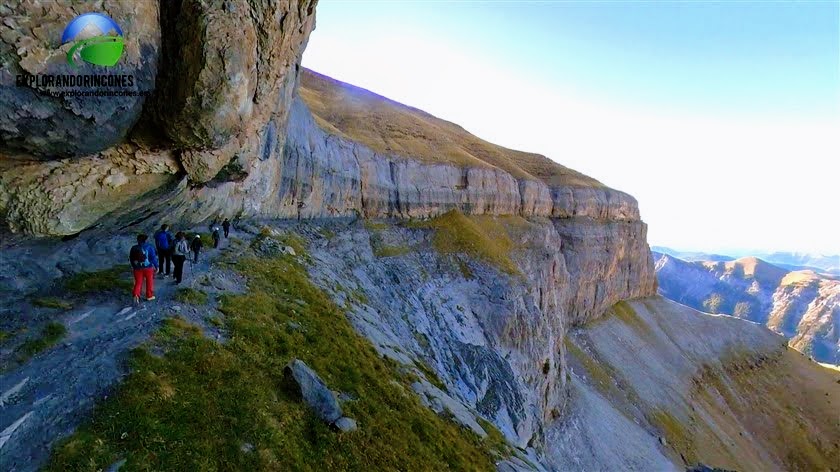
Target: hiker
[(216, 236), (164, 243), (144, 262), (182, 250), (196, 246), (226, 227)]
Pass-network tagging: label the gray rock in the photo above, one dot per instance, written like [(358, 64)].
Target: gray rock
[(116, 466), (47, 127), (345, 424), (314, 391)]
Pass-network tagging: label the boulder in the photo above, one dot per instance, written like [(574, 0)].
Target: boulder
[(346, 425), (34, 123), (314, 391)]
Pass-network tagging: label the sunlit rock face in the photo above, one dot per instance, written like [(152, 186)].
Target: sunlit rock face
[(221, 76), (801, 305)]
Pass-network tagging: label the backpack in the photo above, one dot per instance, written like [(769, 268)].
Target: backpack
[(196, 244), (138, 256), (162, 239)]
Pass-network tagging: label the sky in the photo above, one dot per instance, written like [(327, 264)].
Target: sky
[(721, 118)]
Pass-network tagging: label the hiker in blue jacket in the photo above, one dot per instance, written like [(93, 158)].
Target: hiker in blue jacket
[(164, 243), (144, 261)]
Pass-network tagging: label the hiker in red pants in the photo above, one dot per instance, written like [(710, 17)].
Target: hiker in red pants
[(144, 263)]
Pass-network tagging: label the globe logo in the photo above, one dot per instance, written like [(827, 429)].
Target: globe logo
[(97, 40)]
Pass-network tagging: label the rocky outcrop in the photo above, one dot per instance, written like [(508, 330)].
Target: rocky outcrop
[(217, 113), (37, 125), (326, 175), (801, 305), (494, 340)]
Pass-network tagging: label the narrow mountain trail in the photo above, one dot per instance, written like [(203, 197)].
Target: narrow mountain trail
[(48, 395)]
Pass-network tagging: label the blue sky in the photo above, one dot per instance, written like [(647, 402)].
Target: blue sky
[(720, 117)]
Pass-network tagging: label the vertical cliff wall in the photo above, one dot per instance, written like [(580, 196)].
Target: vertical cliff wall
[(221, 76)]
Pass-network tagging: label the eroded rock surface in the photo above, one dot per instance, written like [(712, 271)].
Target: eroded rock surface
[(36, 125)]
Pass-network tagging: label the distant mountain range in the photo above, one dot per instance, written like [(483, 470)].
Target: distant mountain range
[(787, 260), (802, 305)]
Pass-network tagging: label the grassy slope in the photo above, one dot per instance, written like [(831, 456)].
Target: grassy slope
[(393, 128), (481, 237), (742, 409), (210, 406)]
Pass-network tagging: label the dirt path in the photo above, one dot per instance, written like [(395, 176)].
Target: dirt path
[(45, 398)]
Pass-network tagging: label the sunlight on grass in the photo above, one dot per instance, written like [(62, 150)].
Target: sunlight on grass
[(196, 407), (482, 238)]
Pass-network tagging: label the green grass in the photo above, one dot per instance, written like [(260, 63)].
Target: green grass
[(371, 225), (194, 407), (677, 435), (601, 376), (390, 251), (481, 237), (52, 302), (430, 375), (50, 335), (623, 311), (191, 296), (117, 278), (495, 440)]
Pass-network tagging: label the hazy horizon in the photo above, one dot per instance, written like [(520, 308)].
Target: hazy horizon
[(720, 118)]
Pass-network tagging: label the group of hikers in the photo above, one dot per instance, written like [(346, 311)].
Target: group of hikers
[(146, 258)]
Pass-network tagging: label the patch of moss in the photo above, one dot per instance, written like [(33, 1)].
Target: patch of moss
[(194, 407), (601, 376), (371, 225), (117, 278), (482, 238), (50, 335), (623, 311), (495, 440), (422, 340), (430, 375), (677, 435), (52, 302), (191, 296), (381, 250)]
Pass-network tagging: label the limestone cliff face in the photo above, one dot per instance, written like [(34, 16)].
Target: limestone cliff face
[(325, 175), (222, 75)]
